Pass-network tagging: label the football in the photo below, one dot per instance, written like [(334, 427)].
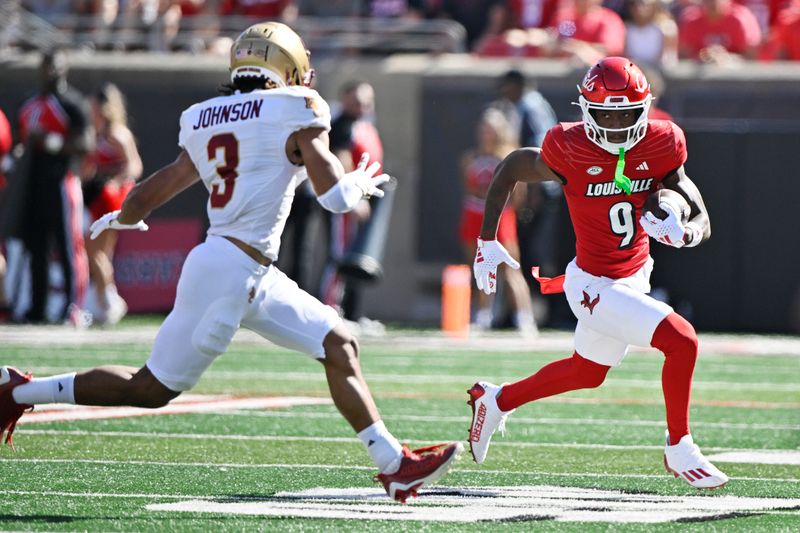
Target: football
[(668, 196)]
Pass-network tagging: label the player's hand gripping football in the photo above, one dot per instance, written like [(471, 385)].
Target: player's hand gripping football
[(365, 178), (489, 255), (109, 221), (670, 231)]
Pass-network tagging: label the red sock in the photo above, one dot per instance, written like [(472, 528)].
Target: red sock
[(559, 376), (677, 339)]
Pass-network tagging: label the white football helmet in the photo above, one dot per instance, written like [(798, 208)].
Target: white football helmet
[(614, 83)]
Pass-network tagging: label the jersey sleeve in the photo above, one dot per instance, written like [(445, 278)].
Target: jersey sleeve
[(185, 128), (305, 108), (679, 145), (553, 149)]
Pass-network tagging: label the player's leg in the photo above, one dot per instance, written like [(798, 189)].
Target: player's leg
[(595, 353), (290, 317), (676, 337), (198, 329), (101, 271), (519, 293), (346, 383), (623, 311), (492, 404), (68, 235)]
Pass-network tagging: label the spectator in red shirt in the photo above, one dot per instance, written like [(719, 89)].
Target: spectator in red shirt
[(765, 11), (784, 40), (532, 13), (583, 29), (588, 31), (265, 9), (718, 31)]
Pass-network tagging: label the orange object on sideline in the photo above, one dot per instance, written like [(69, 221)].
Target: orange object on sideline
[(456, 287)]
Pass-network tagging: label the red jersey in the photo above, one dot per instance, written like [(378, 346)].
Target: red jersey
[(44, 112), (599, 25), (609, 239), (736, 31), (108, 158), (784, 41)]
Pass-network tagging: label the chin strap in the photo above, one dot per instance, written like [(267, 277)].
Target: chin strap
[(621, 180)]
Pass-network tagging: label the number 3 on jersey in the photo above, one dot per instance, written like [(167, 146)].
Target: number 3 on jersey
[(222, 193), (621, 217)]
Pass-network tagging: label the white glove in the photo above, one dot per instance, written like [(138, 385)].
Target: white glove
[(669, 231), (489, 255), (365, 179), (109, 221)]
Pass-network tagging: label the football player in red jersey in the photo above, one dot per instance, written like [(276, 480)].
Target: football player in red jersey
[(608, 164)]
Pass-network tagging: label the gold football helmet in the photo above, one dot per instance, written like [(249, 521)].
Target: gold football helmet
[(274, 51)]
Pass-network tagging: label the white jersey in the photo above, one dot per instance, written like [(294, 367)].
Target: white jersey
[(238, 145)]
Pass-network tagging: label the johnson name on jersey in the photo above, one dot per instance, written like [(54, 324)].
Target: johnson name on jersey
[(238, 145), (609, 241)]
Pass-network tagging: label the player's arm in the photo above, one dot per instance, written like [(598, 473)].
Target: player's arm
[(525, 165), (698, 227), (337, 191), (122, 139), (149, 194)]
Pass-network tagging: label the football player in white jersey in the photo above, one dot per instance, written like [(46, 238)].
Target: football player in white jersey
[(250, 148)]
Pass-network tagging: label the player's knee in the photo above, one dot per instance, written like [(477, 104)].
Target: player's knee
[(587, 374), (675, 335), (147, 392), (341, 350)]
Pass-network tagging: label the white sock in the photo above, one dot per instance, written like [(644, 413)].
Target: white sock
[(384, 450), (55, 389)]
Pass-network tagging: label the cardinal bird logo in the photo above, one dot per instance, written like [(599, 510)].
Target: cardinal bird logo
[(589, 303)]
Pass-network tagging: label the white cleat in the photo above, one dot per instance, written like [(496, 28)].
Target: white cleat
[(486, 418), (686, 461)]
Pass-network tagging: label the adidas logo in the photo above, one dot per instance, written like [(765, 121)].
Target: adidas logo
[(643, 166)]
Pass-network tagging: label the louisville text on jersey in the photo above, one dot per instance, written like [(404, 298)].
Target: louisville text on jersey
[(610, 188), (222, 114)]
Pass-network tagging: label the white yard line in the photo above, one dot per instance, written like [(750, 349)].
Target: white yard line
[(303, 438), (559, 341), (535, 473), (762, 458), (518, 420), (465, 380)]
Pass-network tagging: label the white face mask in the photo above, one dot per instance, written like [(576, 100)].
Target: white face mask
[(599, 135)]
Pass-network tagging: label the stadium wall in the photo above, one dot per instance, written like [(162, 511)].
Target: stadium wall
[(742, 127)]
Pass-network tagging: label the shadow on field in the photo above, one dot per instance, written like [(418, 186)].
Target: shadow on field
[(49, 519)]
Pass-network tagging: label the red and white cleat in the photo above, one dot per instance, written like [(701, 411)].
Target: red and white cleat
[(686, 461), (486, 418), (419, 467), (10, 411)]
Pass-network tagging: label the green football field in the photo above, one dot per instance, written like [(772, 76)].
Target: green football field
[(258, 446)]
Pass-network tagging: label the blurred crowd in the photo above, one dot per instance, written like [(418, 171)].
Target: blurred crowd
[(655, 32)]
